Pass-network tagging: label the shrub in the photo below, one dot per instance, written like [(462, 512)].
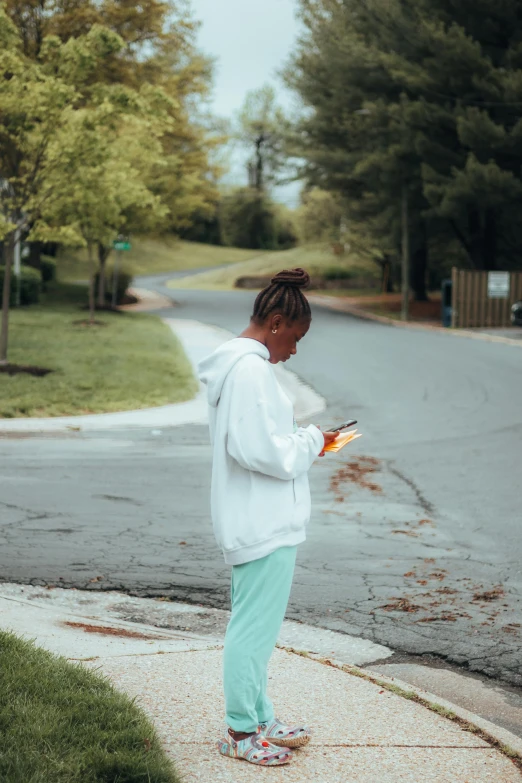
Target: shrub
[(338, 273), (30, 286), (48, 269), (125, 278)]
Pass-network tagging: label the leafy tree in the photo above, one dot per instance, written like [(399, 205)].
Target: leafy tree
[(250, 219), (111, 149), (32, 106), (261, 124), (159, 50), (319, 216)]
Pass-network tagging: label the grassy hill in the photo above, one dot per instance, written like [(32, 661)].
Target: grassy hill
[(316, 259), (153, 255)]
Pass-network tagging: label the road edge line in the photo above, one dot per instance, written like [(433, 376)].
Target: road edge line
[(501, 739)]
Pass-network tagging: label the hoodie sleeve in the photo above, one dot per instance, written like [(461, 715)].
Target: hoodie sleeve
[(253, 443)]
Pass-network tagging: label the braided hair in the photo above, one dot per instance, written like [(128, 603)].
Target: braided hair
[(284, 296)]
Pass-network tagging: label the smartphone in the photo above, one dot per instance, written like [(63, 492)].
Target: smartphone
[(344, 426)]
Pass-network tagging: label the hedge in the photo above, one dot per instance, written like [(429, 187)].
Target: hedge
[(48, 269), (124, 280), (30, 285)]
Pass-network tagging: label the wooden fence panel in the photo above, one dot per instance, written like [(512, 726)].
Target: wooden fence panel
[(473, 307)]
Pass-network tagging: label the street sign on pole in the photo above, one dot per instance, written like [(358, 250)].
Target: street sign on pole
[(17, 264), (120, 244), (123, 244)]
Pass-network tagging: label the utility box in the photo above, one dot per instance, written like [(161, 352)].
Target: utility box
[(446, 301)]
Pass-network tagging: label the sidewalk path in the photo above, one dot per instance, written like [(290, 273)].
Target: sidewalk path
[(363, 731), (198, 340), (351, 306)]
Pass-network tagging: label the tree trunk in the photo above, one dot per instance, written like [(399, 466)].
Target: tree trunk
[(259, 162), (35, 253), (91, 283), (476, 245), (419, 269), (8, 254), (490, 240), (386, 276), (103, 254)]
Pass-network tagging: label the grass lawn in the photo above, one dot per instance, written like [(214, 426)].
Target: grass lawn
[(61, 723), (151, 256), (133, 361), (314, 258)]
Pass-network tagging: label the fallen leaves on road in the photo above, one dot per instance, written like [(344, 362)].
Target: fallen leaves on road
[(410, 533), (444, 617), (400, 605), (489, 595), (355, 472)]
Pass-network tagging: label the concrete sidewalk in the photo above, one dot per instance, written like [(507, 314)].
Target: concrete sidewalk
[(365, 731)]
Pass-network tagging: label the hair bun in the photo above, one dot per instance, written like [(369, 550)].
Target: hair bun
[(295, 278)]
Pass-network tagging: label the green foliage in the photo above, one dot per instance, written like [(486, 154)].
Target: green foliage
[(250, 219), (61, 722), (339, 273), (420, 96), (98, 130), (319, 217), (30, 286), (48, 269)]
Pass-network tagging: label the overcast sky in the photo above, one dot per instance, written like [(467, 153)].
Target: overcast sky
[(251, 40)]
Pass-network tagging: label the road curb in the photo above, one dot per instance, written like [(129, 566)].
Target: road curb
[(506, 742), (356, 312)]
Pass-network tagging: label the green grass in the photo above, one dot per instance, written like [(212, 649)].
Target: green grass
[(133, 361), (61, 723), (314, 258), (151, 256)]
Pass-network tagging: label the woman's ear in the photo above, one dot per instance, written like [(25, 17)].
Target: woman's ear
[(275, 322)]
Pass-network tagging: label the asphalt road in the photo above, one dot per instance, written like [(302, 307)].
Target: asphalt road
[(415, 536)]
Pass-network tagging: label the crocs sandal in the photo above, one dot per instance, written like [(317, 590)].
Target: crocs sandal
[(256, 749), (285, 736)]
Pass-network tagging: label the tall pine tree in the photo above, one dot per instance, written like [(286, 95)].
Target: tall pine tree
[(424, 94)]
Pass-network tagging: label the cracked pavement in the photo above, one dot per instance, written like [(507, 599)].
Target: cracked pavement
[(414, 541)]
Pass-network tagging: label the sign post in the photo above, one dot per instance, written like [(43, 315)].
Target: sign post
[(120, 244), (17, 264)]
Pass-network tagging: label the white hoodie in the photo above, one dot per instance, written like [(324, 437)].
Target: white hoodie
[(260, 495)]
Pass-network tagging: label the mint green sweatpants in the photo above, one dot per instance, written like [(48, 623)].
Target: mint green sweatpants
[(260, 593)]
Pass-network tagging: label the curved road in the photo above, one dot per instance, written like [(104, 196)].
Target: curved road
[(415, 537)]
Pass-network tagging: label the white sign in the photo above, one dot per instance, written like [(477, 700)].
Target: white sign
[(498, 285)]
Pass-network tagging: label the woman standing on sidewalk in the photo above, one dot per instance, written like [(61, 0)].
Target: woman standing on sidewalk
[(260, 507)]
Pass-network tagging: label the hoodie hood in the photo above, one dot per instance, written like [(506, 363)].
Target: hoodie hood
[(213, 370)]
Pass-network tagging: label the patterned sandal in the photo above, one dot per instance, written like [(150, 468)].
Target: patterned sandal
[(254, 749), (285, 736)]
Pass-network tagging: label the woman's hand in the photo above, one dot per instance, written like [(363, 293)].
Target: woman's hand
[(329, 437)]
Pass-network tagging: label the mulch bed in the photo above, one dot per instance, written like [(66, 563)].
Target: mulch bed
[(16, 369), (89, 323)]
